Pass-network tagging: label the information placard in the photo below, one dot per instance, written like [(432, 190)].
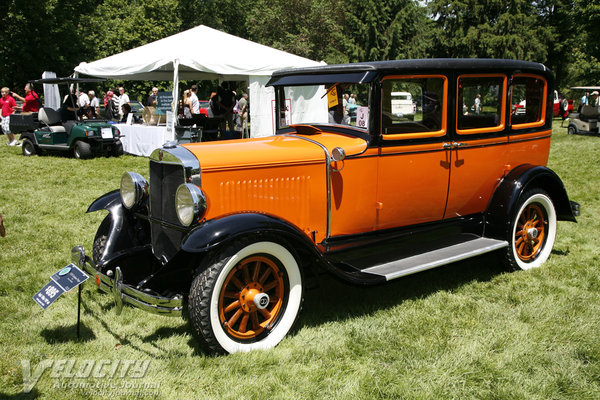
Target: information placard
[(62, 281), (163, 102)]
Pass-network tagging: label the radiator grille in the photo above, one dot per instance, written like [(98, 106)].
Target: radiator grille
[(164, 181)]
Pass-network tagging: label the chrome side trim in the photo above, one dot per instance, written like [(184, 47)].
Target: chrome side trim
[(179, 156), (123, 293), (328, 175)]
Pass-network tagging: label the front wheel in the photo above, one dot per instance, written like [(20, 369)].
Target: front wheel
[(532, 231), (247, 297), (82, 150)]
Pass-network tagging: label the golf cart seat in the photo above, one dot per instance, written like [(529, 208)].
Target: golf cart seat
[(51, 118), (588, 113)]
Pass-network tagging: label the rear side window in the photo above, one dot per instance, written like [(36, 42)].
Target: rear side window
[(481, 103), (528, 101), (413, 107)]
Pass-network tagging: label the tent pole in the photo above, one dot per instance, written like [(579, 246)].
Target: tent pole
[(175, 95)]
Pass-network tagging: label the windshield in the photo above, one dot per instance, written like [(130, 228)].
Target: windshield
[(345, 104)]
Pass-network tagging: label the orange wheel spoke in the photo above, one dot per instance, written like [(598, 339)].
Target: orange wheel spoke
[(235, 317), (520, 248), (237, 282), (246, 274), (232, 306), (254, 318), (270, 285), (231, 295), (264, 276), (244, 323), (265, 313), (256, 271), (519, 240)]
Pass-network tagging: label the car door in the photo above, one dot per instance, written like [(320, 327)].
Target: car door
[(414, 166), (479, 145)]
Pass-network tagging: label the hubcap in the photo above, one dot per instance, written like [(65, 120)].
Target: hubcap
[(251, 298)]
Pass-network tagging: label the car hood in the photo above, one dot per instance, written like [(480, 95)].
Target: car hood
[(272, 150)]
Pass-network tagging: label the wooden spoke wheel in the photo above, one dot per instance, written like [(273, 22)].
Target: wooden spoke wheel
[(252, 297), (532, 231), (246, 297)]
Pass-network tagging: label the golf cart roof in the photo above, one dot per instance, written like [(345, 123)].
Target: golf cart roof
[(68, 80), (586, 87)]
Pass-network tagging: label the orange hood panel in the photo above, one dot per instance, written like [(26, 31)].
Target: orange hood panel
[(270, 151)]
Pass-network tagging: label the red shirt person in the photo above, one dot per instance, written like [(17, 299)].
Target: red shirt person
[(30, 101), (7, 104)]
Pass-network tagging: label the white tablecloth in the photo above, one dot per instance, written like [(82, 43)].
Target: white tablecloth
[(141, 140)]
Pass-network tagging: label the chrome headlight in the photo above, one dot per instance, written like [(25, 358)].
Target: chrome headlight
[(134, 189), (190, 203)]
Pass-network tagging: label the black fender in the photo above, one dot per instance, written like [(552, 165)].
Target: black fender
[(517, 181), (217, 232), (124, 232), (29, 135)]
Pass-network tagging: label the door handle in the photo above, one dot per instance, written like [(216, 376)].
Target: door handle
[(453, 145)]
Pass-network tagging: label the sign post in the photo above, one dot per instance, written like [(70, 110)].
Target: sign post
[(62, 281)]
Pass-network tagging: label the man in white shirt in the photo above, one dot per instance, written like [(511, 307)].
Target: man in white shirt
[(83, 101), (195, 104), (94, 102), (123, 99)]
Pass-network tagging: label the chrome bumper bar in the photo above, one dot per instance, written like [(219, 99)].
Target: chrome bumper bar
[(123, 293)]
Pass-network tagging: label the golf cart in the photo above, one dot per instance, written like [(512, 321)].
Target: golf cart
[(585, 122), (67, 129)]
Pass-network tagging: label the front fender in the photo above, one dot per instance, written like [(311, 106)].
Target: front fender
[(505, 198), (124, 233), (215, 232)]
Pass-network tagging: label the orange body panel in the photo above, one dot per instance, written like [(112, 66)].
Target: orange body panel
[(412, 185)]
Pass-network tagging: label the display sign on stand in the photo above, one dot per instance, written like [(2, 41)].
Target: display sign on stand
[(164, 102)]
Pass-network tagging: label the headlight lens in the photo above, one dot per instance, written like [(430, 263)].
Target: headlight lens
[(190, 203), (134, 189)]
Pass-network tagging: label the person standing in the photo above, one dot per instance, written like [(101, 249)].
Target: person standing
[(110, 106), (222, 105), (243, 112), (478, 104), (8, 104), (153, 98), (123, 99), (194, 103), (31, 101), (94, 102)]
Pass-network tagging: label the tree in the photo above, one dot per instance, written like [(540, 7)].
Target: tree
[(488, 28)]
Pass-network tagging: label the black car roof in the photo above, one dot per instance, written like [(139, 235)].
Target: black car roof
[(366, 71)]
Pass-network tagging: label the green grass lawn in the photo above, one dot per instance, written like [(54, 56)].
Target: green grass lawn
[(467, 331)]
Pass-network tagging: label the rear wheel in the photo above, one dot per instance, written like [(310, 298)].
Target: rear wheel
[(246, 298), (82, 150), (532, 231), (572, 130), (28, 148)]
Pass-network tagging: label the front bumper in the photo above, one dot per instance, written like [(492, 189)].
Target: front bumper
[(123, 293)]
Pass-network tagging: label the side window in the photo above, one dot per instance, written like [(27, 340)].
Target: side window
[(480, 103), (528, 95), (413, 107)]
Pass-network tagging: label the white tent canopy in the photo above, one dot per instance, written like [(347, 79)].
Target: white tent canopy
[(204, 53)]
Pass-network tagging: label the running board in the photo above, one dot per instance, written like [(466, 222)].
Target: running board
[(436, 258)]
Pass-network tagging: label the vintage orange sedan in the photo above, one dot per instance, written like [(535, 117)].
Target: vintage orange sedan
[(230, 230)]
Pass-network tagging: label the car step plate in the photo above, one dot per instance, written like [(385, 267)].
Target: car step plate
[(436, 258)]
